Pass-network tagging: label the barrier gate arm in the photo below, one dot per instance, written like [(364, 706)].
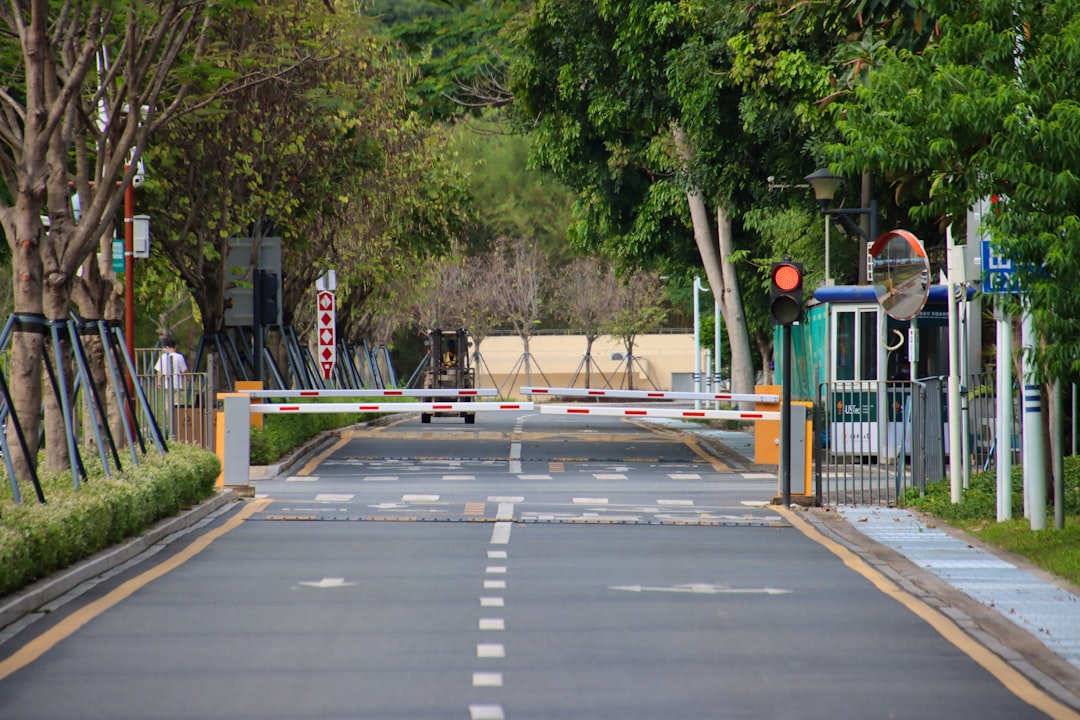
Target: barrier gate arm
[(657, 412), (363, 394), (649, 394), (237, 410)]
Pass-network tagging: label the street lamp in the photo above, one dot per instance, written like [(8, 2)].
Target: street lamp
[(825, 184)]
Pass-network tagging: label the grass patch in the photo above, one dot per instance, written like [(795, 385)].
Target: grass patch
[(1056, 551)]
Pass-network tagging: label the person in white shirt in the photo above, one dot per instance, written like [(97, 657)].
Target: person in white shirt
[(171, 367)]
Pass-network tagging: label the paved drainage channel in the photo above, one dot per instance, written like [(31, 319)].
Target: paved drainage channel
[(691, 522)]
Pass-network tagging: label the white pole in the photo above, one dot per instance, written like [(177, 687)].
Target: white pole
[(697, 342), (716, 346), (1003, 442), (1034, 460), (955, 449)]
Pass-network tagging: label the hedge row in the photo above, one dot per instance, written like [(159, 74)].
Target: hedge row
[(283, 433), (36, 539)]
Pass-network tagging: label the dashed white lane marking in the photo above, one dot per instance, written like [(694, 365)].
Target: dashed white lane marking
[(514, 466), (302, 478), (492, 602), (458, 477), (495, 570), (759, 476), (492, 624), (590, 501), (486, 712), (490, 650), (534, 477), (379, 478), (500, 534), (419, 498), (755, 503), (496, 554), (333, 497), (684, 476), (487, 679), (609, 476), (505, 512), (506, 498), (494, 584), (675, 502)]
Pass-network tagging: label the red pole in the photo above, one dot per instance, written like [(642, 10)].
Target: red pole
[(129, 274)]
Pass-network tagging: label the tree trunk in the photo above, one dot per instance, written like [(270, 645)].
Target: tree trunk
[(731, 305), (720, 271), (57, 306), (725, 286)]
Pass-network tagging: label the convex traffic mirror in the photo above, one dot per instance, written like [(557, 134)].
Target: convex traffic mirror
[(901, 274)]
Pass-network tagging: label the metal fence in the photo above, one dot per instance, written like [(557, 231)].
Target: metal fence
[(875, 441), (184, 414)]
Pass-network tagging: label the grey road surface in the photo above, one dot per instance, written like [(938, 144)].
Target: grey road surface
[(526, 567)]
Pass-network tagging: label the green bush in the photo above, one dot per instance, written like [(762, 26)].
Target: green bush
[(36, 539), (979, 500), (282, 433)]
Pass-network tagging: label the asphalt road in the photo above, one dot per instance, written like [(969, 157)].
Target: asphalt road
[(523, 567)]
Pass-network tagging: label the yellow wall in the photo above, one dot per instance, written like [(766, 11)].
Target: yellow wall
[(556, 358)]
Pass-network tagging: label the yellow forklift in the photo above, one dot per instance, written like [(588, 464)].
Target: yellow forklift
[(448, 367)]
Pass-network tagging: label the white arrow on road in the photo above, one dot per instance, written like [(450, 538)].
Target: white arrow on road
[(327, 583), (702, 589)]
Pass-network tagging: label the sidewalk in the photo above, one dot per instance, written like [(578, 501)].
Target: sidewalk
[(1001, 600)]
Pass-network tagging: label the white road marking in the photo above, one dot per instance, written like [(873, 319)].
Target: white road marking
[(496, 570), (332, 497), (759, 476), (492, 602), (458, 477), (379, 478), (486, 712), (302, 478), (500, 535), (487, 679), (609, 476), (496, 554), (327, 583), (494, 584), (684, 476), (505, 512), (490, 650), (590, 501), (702, 589), (755, 503), (506, 498), (675, 502), (492, 624), (515, 456), (534, 477), (419, 498)]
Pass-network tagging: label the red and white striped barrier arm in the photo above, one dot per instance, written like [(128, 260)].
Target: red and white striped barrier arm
[(397, 407), (374, 393), (657, 412), (649, 394)]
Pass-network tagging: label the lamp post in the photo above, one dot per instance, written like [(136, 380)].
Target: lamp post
[(825, 184)]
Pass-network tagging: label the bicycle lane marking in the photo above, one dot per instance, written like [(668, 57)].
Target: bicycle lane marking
[(71, 624)]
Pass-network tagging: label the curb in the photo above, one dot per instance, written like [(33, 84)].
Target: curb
[(42, 592)]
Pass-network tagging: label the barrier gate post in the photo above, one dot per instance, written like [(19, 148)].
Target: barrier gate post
[(236, 451)]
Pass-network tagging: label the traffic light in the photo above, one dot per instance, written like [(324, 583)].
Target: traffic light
[(786, 292)]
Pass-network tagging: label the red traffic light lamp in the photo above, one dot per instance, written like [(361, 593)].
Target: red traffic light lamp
[(786, 292)]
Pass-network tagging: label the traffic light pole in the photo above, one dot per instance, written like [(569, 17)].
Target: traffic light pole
[(785, 417)]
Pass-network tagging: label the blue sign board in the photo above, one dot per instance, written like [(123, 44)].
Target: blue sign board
[(997, 272)]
